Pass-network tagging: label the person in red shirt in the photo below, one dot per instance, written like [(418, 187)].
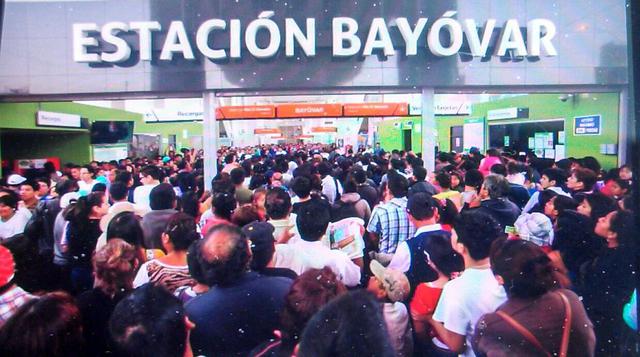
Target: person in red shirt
[(446, 263)]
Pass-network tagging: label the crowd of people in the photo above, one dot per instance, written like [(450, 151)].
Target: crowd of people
[(314, 250)]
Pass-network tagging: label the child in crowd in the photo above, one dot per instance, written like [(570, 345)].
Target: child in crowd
[(391, 287)]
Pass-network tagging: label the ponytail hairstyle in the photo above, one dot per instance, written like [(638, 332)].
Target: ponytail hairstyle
[(79, 214), (448, 212), (182, 231), (224, 204), (525, 268)]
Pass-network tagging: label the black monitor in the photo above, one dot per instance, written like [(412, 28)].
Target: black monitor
[(111, 132)]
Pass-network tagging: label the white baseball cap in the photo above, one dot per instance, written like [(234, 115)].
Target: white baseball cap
[(394, 281), (15, 179), (66, 199)]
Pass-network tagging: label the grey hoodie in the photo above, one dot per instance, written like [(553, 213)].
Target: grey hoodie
[(361, 205)]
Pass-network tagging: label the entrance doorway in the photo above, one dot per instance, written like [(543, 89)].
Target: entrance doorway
[(457, 143), (290, 134), (406, 139)]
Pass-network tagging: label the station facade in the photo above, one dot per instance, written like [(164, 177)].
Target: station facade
[(568, 59)]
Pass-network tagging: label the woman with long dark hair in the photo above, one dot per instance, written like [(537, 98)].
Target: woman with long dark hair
[(538, 318), (596, 205), (608, 280), (81, 237), (443, 263), (172, 270)]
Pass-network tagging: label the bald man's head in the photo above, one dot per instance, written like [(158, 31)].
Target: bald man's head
[(224, 255)]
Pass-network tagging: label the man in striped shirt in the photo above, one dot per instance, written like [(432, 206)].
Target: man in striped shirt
[(12, 297), (389, 224)]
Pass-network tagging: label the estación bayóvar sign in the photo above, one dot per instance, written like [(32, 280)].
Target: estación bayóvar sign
[(180, 46)]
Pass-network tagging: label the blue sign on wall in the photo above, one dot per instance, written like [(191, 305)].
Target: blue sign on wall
[(587, 125)]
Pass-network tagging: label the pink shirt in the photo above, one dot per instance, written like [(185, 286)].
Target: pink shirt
[(487, 163)]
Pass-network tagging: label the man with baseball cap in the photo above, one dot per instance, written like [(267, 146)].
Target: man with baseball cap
[(14, 181), (391, 287), (263, 247), (11, 295), (423, 214)]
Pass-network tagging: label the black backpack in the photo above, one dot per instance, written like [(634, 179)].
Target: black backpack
[(338, 195), (39, 229)]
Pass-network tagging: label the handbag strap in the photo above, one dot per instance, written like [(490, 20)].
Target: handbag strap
[(523, 331), (566, 328)]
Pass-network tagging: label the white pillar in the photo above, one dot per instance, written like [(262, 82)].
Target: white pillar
[(428, 128), (625, 130), (210, 138)]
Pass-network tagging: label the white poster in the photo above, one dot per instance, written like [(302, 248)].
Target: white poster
[(473, 134), (549, 154), (108, 153), (31, 163), (560, 152)]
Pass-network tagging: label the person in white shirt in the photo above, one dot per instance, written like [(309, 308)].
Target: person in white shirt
[(118, 193), (423, 214), (150, 178), (278, 206), (87, 180), (331, 187), (398, 165), (552, 179), (12, 219), (230, 163), (310, 252), (476, 292)]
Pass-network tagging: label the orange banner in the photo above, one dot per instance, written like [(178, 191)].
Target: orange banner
[(375, 109), (309, 110), (246, 112), (324, 129), (267, 131)]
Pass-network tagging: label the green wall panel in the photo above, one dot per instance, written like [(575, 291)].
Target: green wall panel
[(69, 147), (31, 141), (179, 129), (73, 144), (549, 106), (390, 135)]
